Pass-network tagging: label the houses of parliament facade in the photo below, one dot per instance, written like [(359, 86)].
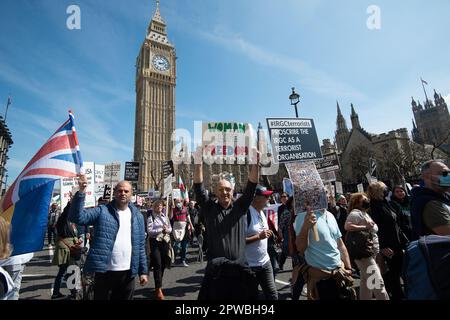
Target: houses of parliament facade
[(155, 123)]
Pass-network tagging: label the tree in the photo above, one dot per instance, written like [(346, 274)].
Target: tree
[(359, 162), (439, 143)]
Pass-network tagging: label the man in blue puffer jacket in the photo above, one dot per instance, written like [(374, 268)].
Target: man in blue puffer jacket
[(117, 255)]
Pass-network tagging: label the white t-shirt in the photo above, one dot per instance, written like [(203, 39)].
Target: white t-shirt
[(256, 252), (121, 253)]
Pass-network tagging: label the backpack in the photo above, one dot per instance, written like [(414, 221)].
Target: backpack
[(426, 268)]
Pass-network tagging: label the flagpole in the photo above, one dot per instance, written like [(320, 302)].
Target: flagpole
[(7, 106), (426, 96)]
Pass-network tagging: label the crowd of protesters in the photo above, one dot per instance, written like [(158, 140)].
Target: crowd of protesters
[(362, 235)]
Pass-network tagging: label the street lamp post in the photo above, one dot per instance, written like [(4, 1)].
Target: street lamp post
[(295, 99)]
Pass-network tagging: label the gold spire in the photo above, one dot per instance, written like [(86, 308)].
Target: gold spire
[(157, 15)]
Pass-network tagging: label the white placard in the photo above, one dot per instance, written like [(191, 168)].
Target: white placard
[(112, 173), (90, 173), (360, 187), (339, 188), (227, 142), (176, 194), (67, 186), (167, 186)]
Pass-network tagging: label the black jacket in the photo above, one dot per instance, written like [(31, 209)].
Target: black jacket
[(64, 228), (389, 232)]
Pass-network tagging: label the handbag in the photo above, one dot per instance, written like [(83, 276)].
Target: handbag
[(75, 249), (359, 244)]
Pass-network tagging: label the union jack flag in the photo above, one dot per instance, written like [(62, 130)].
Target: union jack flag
[(26, 203)]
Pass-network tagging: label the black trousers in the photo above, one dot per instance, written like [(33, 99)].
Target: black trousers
[(392, 277), (158, 254), (114, 285)]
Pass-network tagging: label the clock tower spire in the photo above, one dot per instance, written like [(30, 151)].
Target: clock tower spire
[(155, 103)]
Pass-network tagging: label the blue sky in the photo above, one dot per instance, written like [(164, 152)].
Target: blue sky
[(237, 60)]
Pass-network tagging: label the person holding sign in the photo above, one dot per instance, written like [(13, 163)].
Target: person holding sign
[(227, 274), (319, 241)]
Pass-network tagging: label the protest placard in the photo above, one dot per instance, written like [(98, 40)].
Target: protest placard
[(329, 162), (227, 142), (293, 140), (131, 171), (339, 188), (309, 189)]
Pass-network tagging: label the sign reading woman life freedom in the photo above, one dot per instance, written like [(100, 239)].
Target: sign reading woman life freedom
[(227, 142), (293, 139)]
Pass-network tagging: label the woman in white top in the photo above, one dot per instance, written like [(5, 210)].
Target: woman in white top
[(359, 220), (159, 229), (6, 283)]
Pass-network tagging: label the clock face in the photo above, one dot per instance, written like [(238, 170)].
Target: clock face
[(161, 63)]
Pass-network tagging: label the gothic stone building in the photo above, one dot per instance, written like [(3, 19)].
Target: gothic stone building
[(432, 122)]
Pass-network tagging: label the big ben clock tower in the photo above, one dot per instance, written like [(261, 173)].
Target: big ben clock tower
[(155, 103)]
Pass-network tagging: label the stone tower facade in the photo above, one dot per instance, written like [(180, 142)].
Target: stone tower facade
[(342, 134), (432, 121), (155, 103)]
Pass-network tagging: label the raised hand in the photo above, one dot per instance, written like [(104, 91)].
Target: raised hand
[(82, 182)]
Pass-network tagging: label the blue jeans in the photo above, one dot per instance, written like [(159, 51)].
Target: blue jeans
[(183, 245), (264, 276), (61, 272)]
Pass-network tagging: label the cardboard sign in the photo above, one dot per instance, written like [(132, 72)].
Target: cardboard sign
[(360, 187), (329, 162), (99, 180), (167, 169), (167, 186), (309, 189), (107, 192), (89, 200), (293, 140), (370, 179), (132, 171), (112, 173), (67, 185), (328, 176), (176, 194), (339, 188), (227, 142)]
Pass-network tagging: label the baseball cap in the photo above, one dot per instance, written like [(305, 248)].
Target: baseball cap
[(262, 191)]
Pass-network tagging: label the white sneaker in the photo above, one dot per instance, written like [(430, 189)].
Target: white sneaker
[(184, 264)]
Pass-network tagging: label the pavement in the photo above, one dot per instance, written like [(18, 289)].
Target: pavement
[(179, 283)]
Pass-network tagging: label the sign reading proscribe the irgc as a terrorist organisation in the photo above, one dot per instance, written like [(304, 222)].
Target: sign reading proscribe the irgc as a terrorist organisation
[(293, 140), (227, 142)]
